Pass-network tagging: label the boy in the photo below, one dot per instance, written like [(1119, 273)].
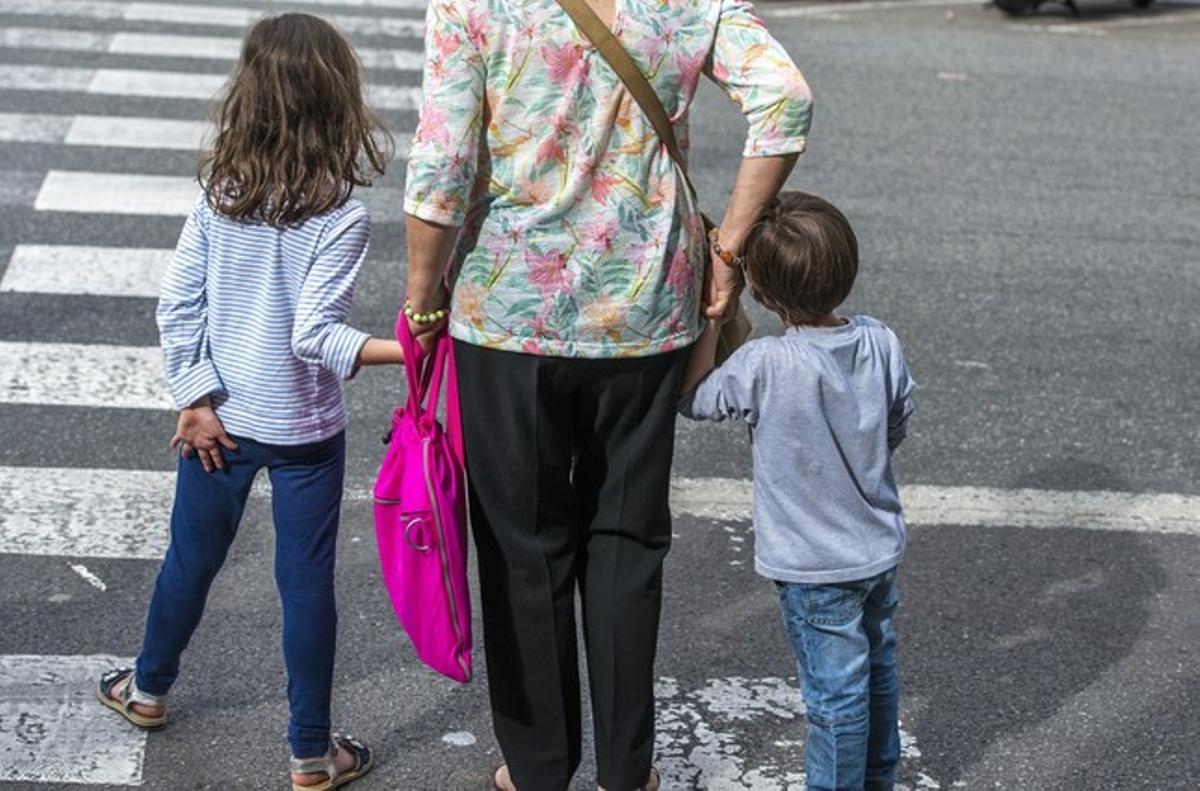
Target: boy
[(827, 402)]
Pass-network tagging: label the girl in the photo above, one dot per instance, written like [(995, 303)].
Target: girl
[(252, 318)]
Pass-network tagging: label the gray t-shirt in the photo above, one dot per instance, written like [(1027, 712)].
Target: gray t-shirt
[(825, 407)]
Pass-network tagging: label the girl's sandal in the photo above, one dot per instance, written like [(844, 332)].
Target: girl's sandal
[(129, 696), (327, 765)]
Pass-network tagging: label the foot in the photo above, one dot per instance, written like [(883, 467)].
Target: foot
[(145, 710), (343, 759), (502, 779)]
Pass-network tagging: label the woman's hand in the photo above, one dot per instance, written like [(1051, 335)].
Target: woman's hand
[(427, 300), (200, 430), (722, 288)]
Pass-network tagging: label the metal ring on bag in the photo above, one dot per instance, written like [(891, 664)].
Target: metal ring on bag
[(408, 538)]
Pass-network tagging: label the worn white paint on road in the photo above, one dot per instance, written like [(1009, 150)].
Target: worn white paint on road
[(197, 14), (723, 498), (175, 45), (703, 737), (85, 513), (52, 729), (77, 269), (162, 84), (71, 374)]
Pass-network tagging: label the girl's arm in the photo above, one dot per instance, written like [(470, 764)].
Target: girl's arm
[(703, 358), (320, 334), (377, 351), (182, 317)]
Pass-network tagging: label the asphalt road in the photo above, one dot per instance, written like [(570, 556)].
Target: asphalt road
[(1025, 196)]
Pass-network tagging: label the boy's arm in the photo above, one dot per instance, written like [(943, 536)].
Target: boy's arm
[(704, 356), (320, 334), (903, 387), (182, 317)]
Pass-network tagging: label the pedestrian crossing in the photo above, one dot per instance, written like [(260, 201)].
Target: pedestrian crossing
[(77, 79)]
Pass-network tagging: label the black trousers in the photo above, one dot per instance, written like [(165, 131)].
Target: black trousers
[(569, 462)]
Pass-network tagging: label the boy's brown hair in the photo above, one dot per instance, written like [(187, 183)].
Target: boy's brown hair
[(801, 258), (294, 135)]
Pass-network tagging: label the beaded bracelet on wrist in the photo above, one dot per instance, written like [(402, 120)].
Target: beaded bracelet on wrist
[(727, 256), (431, 317)]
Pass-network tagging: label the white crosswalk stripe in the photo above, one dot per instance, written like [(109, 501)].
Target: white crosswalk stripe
[(116, 131), (52, 730), (82, 374), (164, 196), (209, 15), (81, 269), (171, 45), (161, 84)]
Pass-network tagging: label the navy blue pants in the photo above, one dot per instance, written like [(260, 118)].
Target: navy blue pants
[(307, 492)]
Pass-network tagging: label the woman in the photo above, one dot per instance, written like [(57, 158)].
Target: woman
[(577, 280)]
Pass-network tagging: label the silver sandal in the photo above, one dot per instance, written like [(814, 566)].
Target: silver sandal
[(130, 695), (327, 765)]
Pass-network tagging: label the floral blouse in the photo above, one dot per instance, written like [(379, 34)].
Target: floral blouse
[(579, 238)]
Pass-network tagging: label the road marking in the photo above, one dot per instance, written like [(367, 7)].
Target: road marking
[(163, 84), (116, 193), (1102, 28), (88, 576), (724, 498), (171, 45), (77, 269), (193, 14), (52, 729), (839, 9), (69, 374), (111, 131), (166, 196)]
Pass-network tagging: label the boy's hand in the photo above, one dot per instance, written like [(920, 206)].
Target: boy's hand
[(200, 430)]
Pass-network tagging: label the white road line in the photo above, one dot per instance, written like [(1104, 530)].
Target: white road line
[(85, 513), (162, 84), (839, 9), (75, 269), (52, 730), (112, 131), (194, 14), (169, 45), (67, 374), (81, 512), (1102, 28), (88, 576), (718, 498), (116, 193), (168, 196)]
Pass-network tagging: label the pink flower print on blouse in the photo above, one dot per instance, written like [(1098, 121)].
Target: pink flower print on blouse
[(600, 233), (564, 61), (433, 127), (477, 24), (682, 275), (548, 272)]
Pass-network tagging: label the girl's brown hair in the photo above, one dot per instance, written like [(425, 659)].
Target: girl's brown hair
[(294, 136), (801, 258)]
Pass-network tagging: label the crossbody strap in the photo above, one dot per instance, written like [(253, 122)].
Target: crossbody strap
[(594, 29)]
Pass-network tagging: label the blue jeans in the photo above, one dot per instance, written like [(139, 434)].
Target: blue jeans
[(846, 650), (307, 492)]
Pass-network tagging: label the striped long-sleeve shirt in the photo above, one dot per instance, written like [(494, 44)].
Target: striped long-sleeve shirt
[(254, 316)]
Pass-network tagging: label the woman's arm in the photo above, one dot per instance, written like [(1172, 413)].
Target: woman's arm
[(429, 248), (758, 182), (757, 73)]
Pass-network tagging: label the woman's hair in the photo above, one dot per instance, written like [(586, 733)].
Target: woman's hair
[(294, 136), (801, 258)]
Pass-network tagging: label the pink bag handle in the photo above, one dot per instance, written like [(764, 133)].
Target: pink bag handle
[(425, 380)]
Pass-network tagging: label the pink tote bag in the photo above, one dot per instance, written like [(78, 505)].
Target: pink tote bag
[(421, 512)]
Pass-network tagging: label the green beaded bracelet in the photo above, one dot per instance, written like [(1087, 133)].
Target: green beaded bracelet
[(424, 318)]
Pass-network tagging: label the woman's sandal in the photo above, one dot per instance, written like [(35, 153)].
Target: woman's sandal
[(327, 765), (124, 701)]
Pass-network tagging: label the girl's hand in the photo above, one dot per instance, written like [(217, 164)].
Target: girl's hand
[(200, 430), (378, 351)]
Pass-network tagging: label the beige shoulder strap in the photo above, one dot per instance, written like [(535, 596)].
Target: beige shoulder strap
[(594, 29)]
